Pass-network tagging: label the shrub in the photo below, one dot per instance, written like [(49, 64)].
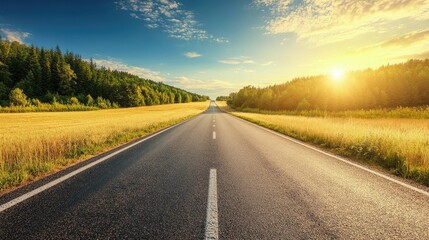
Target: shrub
[(89, 100), (101, 103), (74, 101), (36, 102), (17, 97)]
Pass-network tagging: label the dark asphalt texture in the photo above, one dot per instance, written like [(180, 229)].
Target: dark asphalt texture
[(268, 188)]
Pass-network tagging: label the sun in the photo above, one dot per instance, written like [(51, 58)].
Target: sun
[(337, 74)]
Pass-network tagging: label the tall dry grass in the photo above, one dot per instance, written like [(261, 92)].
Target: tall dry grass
[(399, 112), (400, 145), (34, 144)]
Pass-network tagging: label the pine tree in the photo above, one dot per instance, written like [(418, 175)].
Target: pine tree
[(36, 70), (27, 84), (5, 75), (56, 65), (46, 77), (67, 80)]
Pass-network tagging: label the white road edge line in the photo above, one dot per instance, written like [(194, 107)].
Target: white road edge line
[(212, 228), (40, 189), (340, 159), (214, 135)]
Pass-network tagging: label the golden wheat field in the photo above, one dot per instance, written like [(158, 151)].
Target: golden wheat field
[(387, 142), (33, 144)]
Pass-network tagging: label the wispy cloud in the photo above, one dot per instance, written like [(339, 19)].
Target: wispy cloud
[(230, 62), (407, 39), (14, 35), (267, 63), (115, 64), (237, 61), (249, 61), (170, 16), (409, 42), (192, 55), (326, 21)]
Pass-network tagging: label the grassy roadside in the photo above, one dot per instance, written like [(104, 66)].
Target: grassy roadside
[(400, 112), (396, 144), (33, 145), (43, 107)]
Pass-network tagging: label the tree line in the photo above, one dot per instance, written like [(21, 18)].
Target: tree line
[(390, 86), (222, 98), (54, 77)]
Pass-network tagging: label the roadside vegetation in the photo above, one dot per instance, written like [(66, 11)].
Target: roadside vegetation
[(19, 102), (399, 112), (36, 144), (400, 145)]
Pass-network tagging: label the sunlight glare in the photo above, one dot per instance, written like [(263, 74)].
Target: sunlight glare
[(337, 74)]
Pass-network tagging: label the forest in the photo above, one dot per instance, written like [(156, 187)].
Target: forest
[(390, 86), (31, 76)]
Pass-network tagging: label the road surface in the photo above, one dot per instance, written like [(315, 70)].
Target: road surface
[(216, 176)]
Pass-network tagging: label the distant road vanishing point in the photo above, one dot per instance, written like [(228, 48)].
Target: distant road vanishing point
[(216, 177)]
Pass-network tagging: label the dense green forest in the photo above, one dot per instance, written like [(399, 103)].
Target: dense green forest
[(53, 77), (391, 86)]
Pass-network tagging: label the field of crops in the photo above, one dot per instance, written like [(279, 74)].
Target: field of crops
[(398, 144), (35, 144)]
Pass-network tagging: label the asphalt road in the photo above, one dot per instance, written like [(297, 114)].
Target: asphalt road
[(262, 186)]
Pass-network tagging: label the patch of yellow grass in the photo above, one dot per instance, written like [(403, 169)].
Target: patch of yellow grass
[(32, 144), (401, 145)]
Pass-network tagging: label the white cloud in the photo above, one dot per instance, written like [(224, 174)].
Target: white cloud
[(134, 15), (230, 62), (170, 16), (192, 55), (220, 40), (15, 35), (327, 21), (237, 60), (115, 64), (276, 5)]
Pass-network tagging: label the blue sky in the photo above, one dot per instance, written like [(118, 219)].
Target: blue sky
[(215, 47)]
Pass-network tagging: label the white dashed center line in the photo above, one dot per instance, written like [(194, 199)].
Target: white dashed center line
[(212, 228), (214, 135)]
